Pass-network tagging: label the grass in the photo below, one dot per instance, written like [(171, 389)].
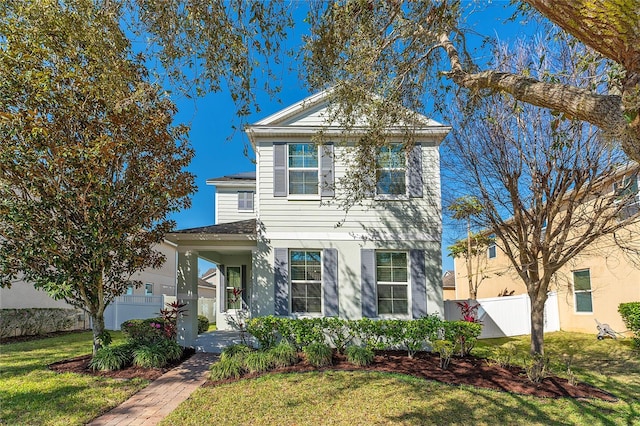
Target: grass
[(31, 394), (346, 398)]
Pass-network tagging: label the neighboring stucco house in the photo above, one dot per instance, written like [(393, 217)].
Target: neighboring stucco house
[(277, 238), (589, 287)]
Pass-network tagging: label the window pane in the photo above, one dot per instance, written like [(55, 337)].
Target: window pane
[(298, 305), (383, 258), (583, 302), (314, 304), (581, 280), (400, 275), (385, 307), (384, 274), (303, 155), (400, 307), (303, 182), (399, 292), (234, 277), (314, 290), (384, 292), (298, 273), (298, 290)]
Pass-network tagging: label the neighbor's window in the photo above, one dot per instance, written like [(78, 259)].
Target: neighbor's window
[(627, 187), (306, 281), (391, 170), (129, 290), (234, 287), (491, 248), (245, 200), (303, 169), (582, 291), (393, 282), (148, 289)]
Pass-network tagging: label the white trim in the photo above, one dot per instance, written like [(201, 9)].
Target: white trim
[(405, 283), (349, 236), (575, 292), (321, 282)]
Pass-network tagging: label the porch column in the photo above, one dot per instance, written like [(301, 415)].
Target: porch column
[(187, 276)]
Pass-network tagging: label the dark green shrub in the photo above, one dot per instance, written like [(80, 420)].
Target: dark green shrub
[(301, 332), (265, 330), (144, 330), (318, 354), (359, 355), (110, 358), (258, 361), (34, 321), (150, 355), (226, 368), (235, 351), (283, 355), (630, 313), (203, 324), (463, 333), (172, 350), (371, 333)]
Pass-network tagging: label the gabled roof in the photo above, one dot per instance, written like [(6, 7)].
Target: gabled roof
[(309, 115), (449, 280), (209, 273)]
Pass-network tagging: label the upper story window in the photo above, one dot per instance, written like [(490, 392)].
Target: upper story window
[(245, 201), (148, 289), (627, 190), (392, 279), (391, 170), (491, 248), (303, 169)]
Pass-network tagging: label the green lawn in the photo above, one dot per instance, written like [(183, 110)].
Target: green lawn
[(31, 394), (350, 398)]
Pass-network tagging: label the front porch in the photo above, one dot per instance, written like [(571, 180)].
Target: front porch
[(231, 246)]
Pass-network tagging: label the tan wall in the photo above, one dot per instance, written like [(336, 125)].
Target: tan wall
[(614, 277)]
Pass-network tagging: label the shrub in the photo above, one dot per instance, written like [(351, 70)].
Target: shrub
[(359, 355), (283, 355), (110, 358), (536, 367), (203, 324), (370, 332), (258, 361), (226, 368), (318, 354), (630, 313), (144, 331), (150, 356), (34, 321), (172, 350), (235, 351), (503, 355), (463, 333), (301, 332), (339, 331), (265, 330), (445, 349)]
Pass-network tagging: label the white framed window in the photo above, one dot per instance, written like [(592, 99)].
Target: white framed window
[(391, 171), (234, 287), (582, 291), (627, 191), (148, 289), (129, 290), (245, 201), (306, 281), (392, 280), (491, 248), (303, 170)]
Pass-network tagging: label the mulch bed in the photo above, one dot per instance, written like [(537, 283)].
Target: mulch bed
[(471, 371)]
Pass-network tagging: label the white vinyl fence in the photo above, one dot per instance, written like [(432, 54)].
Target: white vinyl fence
[(124, 308), (507, 316)]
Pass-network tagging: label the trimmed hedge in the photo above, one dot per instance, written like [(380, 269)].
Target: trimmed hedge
[(144, 330), (630, 313), (412, 335), (203, 324), (34, 321)]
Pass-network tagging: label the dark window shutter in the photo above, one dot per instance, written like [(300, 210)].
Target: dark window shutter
[(245, 294), (368, 291), (279, 169), (281, 281), (330, 282), (223, 288), (327, 184), (418, 284), (414, 168)]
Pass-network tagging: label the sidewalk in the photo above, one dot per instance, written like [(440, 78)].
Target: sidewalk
[(153, 403)]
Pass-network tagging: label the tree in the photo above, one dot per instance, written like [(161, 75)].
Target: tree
[(90, 163), (401, 50), (465, 208), (545, 185)]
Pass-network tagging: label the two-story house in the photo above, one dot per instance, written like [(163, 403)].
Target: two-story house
[(291, 251)]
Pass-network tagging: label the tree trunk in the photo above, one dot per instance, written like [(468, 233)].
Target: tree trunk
[(537, 325), (97, 321)]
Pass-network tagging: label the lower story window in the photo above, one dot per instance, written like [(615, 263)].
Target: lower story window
[(148, 289), (306, 281), (582, 291), (392, 281)]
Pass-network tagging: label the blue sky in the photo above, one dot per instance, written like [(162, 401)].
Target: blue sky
[(211, 120)]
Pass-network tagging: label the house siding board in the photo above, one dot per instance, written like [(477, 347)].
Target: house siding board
[(330, 282), (368, 283), (227, 205), (280, 215), (281, 281)]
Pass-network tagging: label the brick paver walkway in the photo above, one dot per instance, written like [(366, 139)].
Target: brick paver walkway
[(162, 396)]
